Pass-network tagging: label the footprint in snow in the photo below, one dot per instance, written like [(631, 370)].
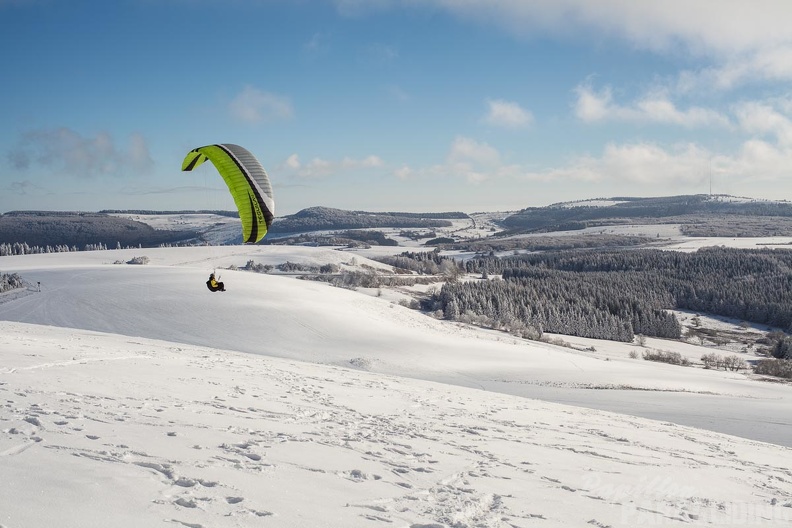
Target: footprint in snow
[(33, 421), (185, 503), (188, 525)]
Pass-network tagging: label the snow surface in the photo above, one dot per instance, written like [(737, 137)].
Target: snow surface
[(589, 203), (130, 395), (690, 244)]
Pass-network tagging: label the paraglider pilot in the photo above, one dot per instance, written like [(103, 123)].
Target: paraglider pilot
[(214, 285)]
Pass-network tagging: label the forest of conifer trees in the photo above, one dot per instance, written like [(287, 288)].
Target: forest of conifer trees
[(618, 294)]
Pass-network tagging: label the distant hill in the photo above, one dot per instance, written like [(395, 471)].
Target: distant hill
[(326, 218), (733, 216), (698, 215), (77, 229), (110, 228)]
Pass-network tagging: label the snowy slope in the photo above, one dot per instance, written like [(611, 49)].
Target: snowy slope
[(280, 316), (132, 396), (104, 430)]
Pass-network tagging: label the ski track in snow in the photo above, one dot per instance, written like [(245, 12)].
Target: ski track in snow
[(382, 451)]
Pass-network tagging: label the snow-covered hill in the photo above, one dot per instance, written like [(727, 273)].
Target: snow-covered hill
[(133, 396)]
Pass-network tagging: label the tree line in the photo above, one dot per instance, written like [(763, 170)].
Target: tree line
[(24, 248), (551, 243)]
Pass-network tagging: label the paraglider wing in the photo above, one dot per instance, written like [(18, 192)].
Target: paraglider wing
[(248, 182)]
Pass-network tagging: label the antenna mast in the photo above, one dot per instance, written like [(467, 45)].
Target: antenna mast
[(710, 176)]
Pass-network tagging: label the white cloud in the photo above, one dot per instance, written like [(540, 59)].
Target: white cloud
[(715, 27), (655, 107), (368, 162), (760, 161), (404, 173), (592, 106), (320, 168), (639, 162), (475, 161), (67, 150), (252, 105), (642, 163), (467, 159), (507, 114), (764, 155), (656, 169), (761, 118), (765, 65), (466, 150), (648, 163), (645, 165), (293, 162)]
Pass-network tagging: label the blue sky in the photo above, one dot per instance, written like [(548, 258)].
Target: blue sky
[(400, 105)]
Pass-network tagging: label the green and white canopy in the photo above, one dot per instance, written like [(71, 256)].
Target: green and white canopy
[(248, 182)]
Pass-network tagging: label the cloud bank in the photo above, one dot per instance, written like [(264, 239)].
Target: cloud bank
[(593, 105), (66, 150), (705, 27), (746, 41)]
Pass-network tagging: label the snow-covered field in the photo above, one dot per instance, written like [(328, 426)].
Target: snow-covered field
[(107, 430), (130, 395)]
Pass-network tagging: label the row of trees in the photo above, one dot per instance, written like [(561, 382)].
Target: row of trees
[(551, 243), (714, 361), (22, 248)]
